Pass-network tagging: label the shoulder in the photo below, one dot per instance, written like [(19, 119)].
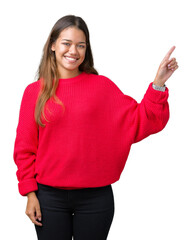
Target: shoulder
[(31, 90), (100, 78), (105, 82), (33, 87)]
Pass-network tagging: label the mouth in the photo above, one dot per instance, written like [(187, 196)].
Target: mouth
[(71, 59)]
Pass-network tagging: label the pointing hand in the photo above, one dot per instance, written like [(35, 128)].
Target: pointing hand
[(166, 69)]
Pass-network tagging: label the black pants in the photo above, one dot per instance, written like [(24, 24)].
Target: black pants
[(85, 214)]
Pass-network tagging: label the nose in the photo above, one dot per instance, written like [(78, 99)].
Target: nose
[(72, 49)]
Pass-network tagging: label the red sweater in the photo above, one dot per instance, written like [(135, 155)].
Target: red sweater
[(86, 145)]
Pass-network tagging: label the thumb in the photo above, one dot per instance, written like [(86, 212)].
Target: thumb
[(166, 62)]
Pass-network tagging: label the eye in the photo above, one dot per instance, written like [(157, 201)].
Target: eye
[(81, 46), (66, 43)]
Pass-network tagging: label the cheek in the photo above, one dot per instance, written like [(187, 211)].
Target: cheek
[(83, 52), (60, 50)]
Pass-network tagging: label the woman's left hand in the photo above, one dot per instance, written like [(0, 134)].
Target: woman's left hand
[(166, 69)]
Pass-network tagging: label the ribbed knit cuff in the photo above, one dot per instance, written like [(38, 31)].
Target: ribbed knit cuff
[(27, 186), (157, 96)]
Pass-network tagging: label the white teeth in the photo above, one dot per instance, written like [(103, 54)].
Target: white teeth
[(71, 59)]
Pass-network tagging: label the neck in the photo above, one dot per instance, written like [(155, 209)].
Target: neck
[(69, 74)]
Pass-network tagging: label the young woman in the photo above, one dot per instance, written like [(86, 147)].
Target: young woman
[(74, 135)]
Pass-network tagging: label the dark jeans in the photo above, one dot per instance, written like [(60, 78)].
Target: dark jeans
[(85, 214)]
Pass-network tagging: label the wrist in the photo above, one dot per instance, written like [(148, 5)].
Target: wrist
[(31, 194), (158, 84)]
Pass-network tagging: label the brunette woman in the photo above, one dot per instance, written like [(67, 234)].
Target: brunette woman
[(74, 134)]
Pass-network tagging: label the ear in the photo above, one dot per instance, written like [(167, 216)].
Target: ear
[(53, 47)]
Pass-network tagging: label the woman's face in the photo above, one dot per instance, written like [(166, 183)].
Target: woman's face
[(70, 49)]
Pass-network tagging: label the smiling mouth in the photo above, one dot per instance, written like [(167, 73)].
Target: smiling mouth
[(71, 59)]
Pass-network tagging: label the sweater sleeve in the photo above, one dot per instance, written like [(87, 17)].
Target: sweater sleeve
[(151, 115), (139, 120), (26, 143)]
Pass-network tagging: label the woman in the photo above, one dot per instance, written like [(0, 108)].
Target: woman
[(74, 135)]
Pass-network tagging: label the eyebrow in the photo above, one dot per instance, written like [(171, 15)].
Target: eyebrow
[(71, 41)]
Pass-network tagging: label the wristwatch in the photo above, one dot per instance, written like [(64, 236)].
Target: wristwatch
[(162, 89)]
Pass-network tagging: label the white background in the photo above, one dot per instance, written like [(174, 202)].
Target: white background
[(153, 198)]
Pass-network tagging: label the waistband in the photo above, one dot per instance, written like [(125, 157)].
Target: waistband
[(40, 185)]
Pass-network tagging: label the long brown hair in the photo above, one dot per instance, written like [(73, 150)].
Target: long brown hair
[(47, 72)]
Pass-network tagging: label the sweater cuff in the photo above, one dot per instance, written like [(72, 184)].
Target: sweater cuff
[(29, 185), (157, 96)]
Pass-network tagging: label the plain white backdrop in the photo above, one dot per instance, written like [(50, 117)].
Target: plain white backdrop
[(153, 198)]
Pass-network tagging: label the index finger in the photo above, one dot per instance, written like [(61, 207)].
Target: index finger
[(33, 219), (167, 56)]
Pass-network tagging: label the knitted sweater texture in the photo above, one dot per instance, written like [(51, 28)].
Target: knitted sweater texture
[(87, 143)]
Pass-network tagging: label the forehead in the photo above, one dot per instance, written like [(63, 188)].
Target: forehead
[(73, 34)]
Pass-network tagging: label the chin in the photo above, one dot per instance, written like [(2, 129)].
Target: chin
[(72, 69)]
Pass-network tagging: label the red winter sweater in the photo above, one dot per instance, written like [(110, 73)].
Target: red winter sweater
[(86, 145)]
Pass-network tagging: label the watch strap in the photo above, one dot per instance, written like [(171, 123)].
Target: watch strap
[(158, 88)]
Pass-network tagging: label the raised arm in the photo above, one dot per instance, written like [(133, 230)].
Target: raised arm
[(152, 114)]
